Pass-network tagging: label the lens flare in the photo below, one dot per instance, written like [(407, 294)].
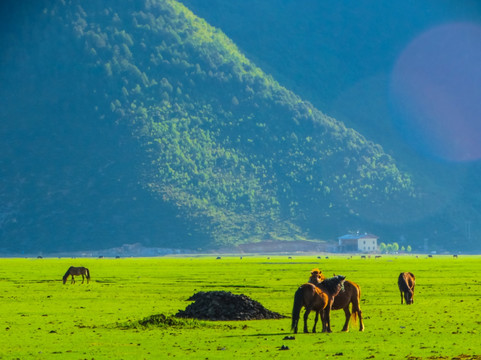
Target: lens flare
[(435, 92)]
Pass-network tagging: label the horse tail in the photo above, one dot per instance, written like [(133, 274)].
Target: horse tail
[(356, 304), (87, 273), (354, 316), (296, 309)]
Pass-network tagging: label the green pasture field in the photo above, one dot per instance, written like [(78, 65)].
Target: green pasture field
[(43, 319)]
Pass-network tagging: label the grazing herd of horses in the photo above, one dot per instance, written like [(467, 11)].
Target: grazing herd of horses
[(318, 294), (323, 295)]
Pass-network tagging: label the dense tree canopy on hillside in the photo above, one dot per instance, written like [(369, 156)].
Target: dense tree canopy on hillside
[(147, 124)]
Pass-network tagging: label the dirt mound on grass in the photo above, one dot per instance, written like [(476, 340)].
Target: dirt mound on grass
[(223, 305)]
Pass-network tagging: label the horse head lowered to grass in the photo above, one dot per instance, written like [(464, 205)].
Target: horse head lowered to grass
[(72, 271), (406, 282), (318, 298)]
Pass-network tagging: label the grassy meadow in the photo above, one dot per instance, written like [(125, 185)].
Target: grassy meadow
[(43, 319)]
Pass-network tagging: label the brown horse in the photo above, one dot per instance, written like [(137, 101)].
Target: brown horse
[(406, 282), (349, 294), (77, 271), (318, 298)]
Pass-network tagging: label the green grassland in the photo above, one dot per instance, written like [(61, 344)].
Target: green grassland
[(43, 319)]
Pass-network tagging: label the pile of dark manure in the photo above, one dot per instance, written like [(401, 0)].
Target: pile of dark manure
[(223, 305)]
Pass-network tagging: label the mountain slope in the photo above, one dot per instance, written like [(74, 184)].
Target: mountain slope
[(342, 56), (140, 122)]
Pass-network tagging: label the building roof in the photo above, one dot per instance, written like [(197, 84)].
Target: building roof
[(358, 236)]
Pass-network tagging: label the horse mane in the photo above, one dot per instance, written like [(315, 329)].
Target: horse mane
[(333, 285), (67, 273)]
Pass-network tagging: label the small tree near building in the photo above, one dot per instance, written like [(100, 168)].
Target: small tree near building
[(382, 247)]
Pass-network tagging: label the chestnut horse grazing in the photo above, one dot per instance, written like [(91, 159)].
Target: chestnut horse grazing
[(77, 271), (406, 282), (318, 298), (349, 294)]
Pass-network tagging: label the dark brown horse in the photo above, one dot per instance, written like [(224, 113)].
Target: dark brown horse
[(77, 271), (318, 298), (349, 294), (406, 282)]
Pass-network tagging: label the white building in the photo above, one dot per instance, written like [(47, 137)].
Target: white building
[(358, 242)]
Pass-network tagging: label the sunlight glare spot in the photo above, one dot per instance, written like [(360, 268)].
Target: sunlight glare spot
[(435, 91)]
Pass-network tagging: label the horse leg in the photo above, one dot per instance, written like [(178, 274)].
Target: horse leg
[(83, 278), (306, 314), (323, 319), (294, 326), (348, 317), (72, 281), (315, 321), (359, 315), (402, 295), (327, 320)]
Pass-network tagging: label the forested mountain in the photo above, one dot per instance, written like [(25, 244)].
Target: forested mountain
[(137, 121), (344, 57)]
